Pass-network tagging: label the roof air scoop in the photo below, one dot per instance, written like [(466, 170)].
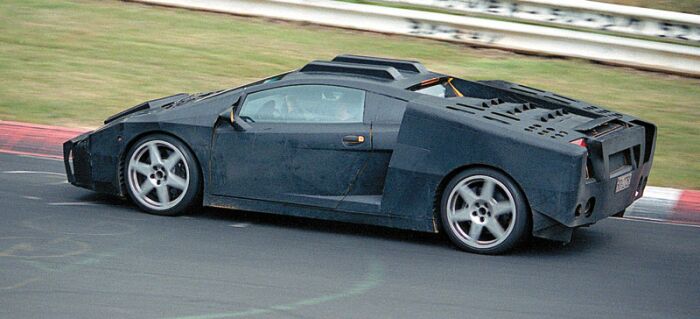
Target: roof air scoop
[(401, 65), (341, 68)]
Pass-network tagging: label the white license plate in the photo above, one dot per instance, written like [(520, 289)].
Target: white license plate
[(623, 182)]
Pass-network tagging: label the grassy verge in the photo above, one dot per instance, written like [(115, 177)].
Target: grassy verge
[(76, 62)]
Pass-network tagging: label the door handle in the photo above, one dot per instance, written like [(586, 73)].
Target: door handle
[(353, 139)]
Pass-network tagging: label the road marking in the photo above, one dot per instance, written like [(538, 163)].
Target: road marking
[(240, 225), (655, 221), (55, 159), (24, 249), (100, 228), (31, 197), (21, 284), (373, 278), (33, 155), (75, 204), (35, 172), (58, 183)]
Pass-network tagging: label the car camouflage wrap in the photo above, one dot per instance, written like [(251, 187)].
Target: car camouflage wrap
[(575, 163)]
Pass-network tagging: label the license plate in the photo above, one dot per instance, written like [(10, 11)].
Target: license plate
[(623, 182)]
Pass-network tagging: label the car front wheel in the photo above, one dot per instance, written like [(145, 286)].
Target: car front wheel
[(483, 211), (161, 175)]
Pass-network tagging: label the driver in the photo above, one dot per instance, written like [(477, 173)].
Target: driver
[(346, 112), (291, 110)]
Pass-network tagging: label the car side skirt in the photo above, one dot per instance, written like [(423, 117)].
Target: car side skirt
[(269, 207)]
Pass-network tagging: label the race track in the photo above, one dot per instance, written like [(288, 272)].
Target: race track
[(66, 252)]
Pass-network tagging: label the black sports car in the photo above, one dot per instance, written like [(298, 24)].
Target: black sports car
[(377, 141)]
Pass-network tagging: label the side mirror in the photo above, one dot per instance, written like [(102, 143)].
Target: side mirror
[(228, 115)]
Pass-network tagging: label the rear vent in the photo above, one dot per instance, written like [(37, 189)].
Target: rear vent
[(552, 115), (481, 107), (495, 119), (619, 162), (546, 131), (459, 107), (601, 126), (649, 133), (526, 89), (514, 108), (558, 99)]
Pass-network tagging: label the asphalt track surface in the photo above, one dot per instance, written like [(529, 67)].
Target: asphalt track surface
[(66, 252)]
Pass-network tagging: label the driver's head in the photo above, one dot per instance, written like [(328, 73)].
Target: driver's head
[(291, 102)]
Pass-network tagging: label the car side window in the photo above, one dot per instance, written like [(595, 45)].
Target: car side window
[(305, 104)]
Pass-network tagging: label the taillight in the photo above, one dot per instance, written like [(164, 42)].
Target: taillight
[(580, 142), (589, 166)]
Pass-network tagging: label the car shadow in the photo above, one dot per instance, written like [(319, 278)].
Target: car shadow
[(583, 239)]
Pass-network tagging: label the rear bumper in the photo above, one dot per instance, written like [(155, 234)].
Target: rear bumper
[(620, 164), (614, 175)]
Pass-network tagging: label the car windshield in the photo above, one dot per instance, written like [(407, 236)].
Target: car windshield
[(263, 81), (440, 87)]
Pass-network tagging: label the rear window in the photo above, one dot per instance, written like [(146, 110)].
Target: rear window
[(437, 87)]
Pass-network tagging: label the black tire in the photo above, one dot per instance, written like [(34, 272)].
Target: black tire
[(464, 220), (177, 172)]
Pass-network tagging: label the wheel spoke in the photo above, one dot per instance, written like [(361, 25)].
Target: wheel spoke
[(487, 189), (146, 188), (501, 208), (154, 154), (176, 181), (495, 228), (163, 196), (467, 194), (141, 168), (171, 161), (460, 215), (475, 231)]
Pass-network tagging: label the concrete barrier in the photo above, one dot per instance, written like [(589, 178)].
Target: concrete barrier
[(581, 14)]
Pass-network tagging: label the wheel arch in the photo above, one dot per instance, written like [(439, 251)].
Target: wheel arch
[(132, 141), (449, 176)]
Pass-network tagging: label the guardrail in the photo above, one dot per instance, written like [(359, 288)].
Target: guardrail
[(581, 14), (645, 54)]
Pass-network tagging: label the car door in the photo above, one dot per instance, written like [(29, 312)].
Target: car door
[(384, 113), (303, 144)]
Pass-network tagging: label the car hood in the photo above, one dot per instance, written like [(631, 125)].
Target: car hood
[(149, 105)]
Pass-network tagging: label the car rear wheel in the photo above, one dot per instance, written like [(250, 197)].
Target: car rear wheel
[(161, 175), (483, 211)]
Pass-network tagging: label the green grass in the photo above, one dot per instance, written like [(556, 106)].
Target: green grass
[(76, 62)]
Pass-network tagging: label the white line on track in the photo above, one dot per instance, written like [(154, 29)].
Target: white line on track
[(58, 183), (35, 172), (75, 204), (41, 157), (656, 221)]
